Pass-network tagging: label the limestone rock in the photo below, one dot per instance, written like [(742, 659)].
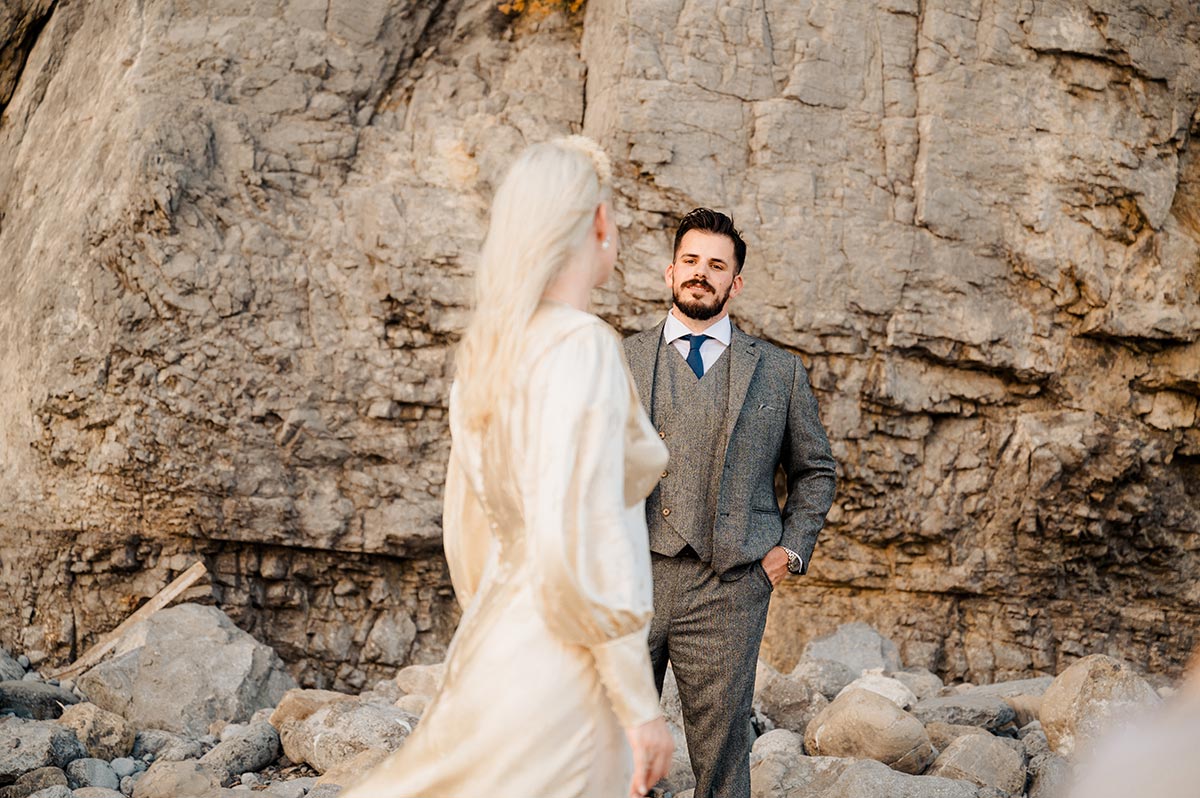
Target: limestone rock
[(297, 704), (942, 734), (105, 735), (27, 745), (922, 682), (866, 725), (97, 792), (788, 702), (35, 700), (1050, 776), (183, 669), (858, 646), (165, 746), (34, 781), (177, 780), (1088, 698), (891, 689), (252, 749), (340, 730), (420, 679), (827, 676), (10, 669), (56, 791), (91, 772), (966, 709), (982, 760), (228, 324)]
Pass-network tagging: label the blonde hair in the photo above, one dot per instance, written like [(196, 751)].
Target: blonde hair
[(541, 215)]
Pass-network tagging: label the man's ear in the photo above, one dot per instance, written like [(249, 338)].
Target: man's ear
[(735, 287), (669, 275)]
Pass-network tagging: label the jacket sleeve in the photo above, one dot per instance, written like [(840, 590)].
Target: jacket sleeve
[(810, 467), (589, 551)]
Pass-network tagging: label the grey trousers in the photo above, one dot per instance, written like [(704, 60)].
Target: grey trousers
[(710, 631)]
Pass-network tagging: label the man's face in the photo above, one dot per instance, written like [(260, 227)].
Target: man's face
[(702, 275)]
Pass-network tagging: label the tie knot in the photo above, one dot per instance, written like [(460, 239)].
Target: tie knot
[(695, 341)]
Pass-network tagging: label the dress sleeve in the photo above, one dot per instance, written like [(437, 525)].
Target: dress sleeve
[(466, 533), (589, 552)]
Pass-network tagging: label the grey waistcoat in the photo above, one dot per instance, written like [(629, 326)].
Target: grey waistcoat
[(690, 415)]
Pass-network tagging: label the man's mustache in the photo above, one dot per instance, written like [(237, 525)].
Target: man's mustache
[(698, 282)]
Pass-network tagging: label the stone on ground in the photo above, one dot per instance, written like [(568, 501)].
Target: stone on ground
[(27, 698), (983, 760), (858, 646), (1089, 698), (865, 725), (105, 735), (27, 745), (185, 668)]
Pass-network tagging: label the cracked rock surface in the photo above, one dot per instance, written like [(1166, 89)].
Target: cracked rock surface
[(236, 243)]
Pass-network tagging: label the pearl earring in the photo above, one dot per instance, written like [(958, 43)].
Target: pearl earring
[(604, 243)]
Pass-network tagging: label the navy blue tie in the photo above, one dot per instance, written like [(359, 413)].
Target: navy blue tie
[(693, 355)]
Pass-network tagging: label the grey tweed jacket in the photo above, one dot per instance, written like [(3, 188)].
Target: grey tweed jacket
[(771, 421)]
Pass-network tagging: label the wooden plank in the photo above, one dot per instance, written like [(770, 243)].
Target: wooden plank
[(109, 641)]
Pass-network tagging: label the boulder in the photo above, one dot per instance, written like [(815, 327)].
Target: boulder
[(27, 698), (826, 676), (942, 734), (177, 780), (1050, 776), (10, 669), (36, 780), (779, 769), (253, 749), (858, 646), (185, 668), (166, 746), (420, 679), (346, 774), (982, 760), (297, 704), (967, 709), (340, 730), (91, 772), (1090, 697), (891, 689), (923, 683), (105, 735), (27, 745), (57, 791), (865, 725), (97, 792), (788, 703)]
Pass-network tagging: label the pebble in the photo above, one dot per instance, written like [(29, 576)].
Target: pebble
[(124, 766), (23, 661), (250, 780)]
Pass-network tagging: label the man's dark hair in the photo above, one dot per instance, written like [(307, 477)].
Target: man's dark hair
[(709, 221)]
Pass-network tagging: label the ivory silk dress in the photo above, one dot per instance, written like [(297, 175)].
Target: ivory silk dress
[(545, 535)]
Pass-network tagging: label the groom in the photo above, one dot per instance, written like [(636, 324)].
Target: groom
[(732, 409)]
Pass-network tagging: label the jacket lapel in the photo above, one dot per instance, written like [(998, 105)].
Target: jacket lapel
[(642, 354), (744, 361)]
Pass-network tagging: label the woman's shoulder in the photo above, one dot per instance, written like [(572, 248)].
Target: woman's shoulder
[(568, 332)]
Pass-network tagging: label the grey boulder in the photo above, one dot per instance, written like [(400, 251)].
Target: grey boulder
[(27, 745), (183, 669), (28, 698), (983, 760), (865, 725), (858, 646)]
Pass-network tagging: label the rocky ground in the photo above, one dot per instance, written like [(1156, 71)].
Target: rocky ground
[(189, 706)]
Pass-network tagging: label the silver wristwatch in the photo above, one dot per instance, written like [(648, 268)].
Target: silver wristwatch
[(795, 561)]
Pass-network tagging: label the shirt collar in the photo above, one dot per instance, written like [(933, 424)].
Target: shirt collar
[(721, 330)]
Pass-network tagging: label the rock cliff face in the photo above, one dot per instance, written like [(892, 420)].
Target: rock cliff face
[(236, 241)]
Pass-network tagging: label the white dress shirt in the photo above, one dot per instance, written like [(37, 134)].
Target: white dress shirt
[(719, 334)]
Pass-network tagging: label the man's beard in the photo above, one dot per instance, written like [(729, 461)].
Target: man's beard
[(696, 308)]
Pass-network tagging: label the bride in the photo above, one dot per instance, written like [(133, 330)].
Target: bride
[(548, 690)]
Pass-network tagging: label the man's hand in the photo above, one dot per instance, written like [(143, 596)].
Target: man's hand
[(775, 564), (652, 746)]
